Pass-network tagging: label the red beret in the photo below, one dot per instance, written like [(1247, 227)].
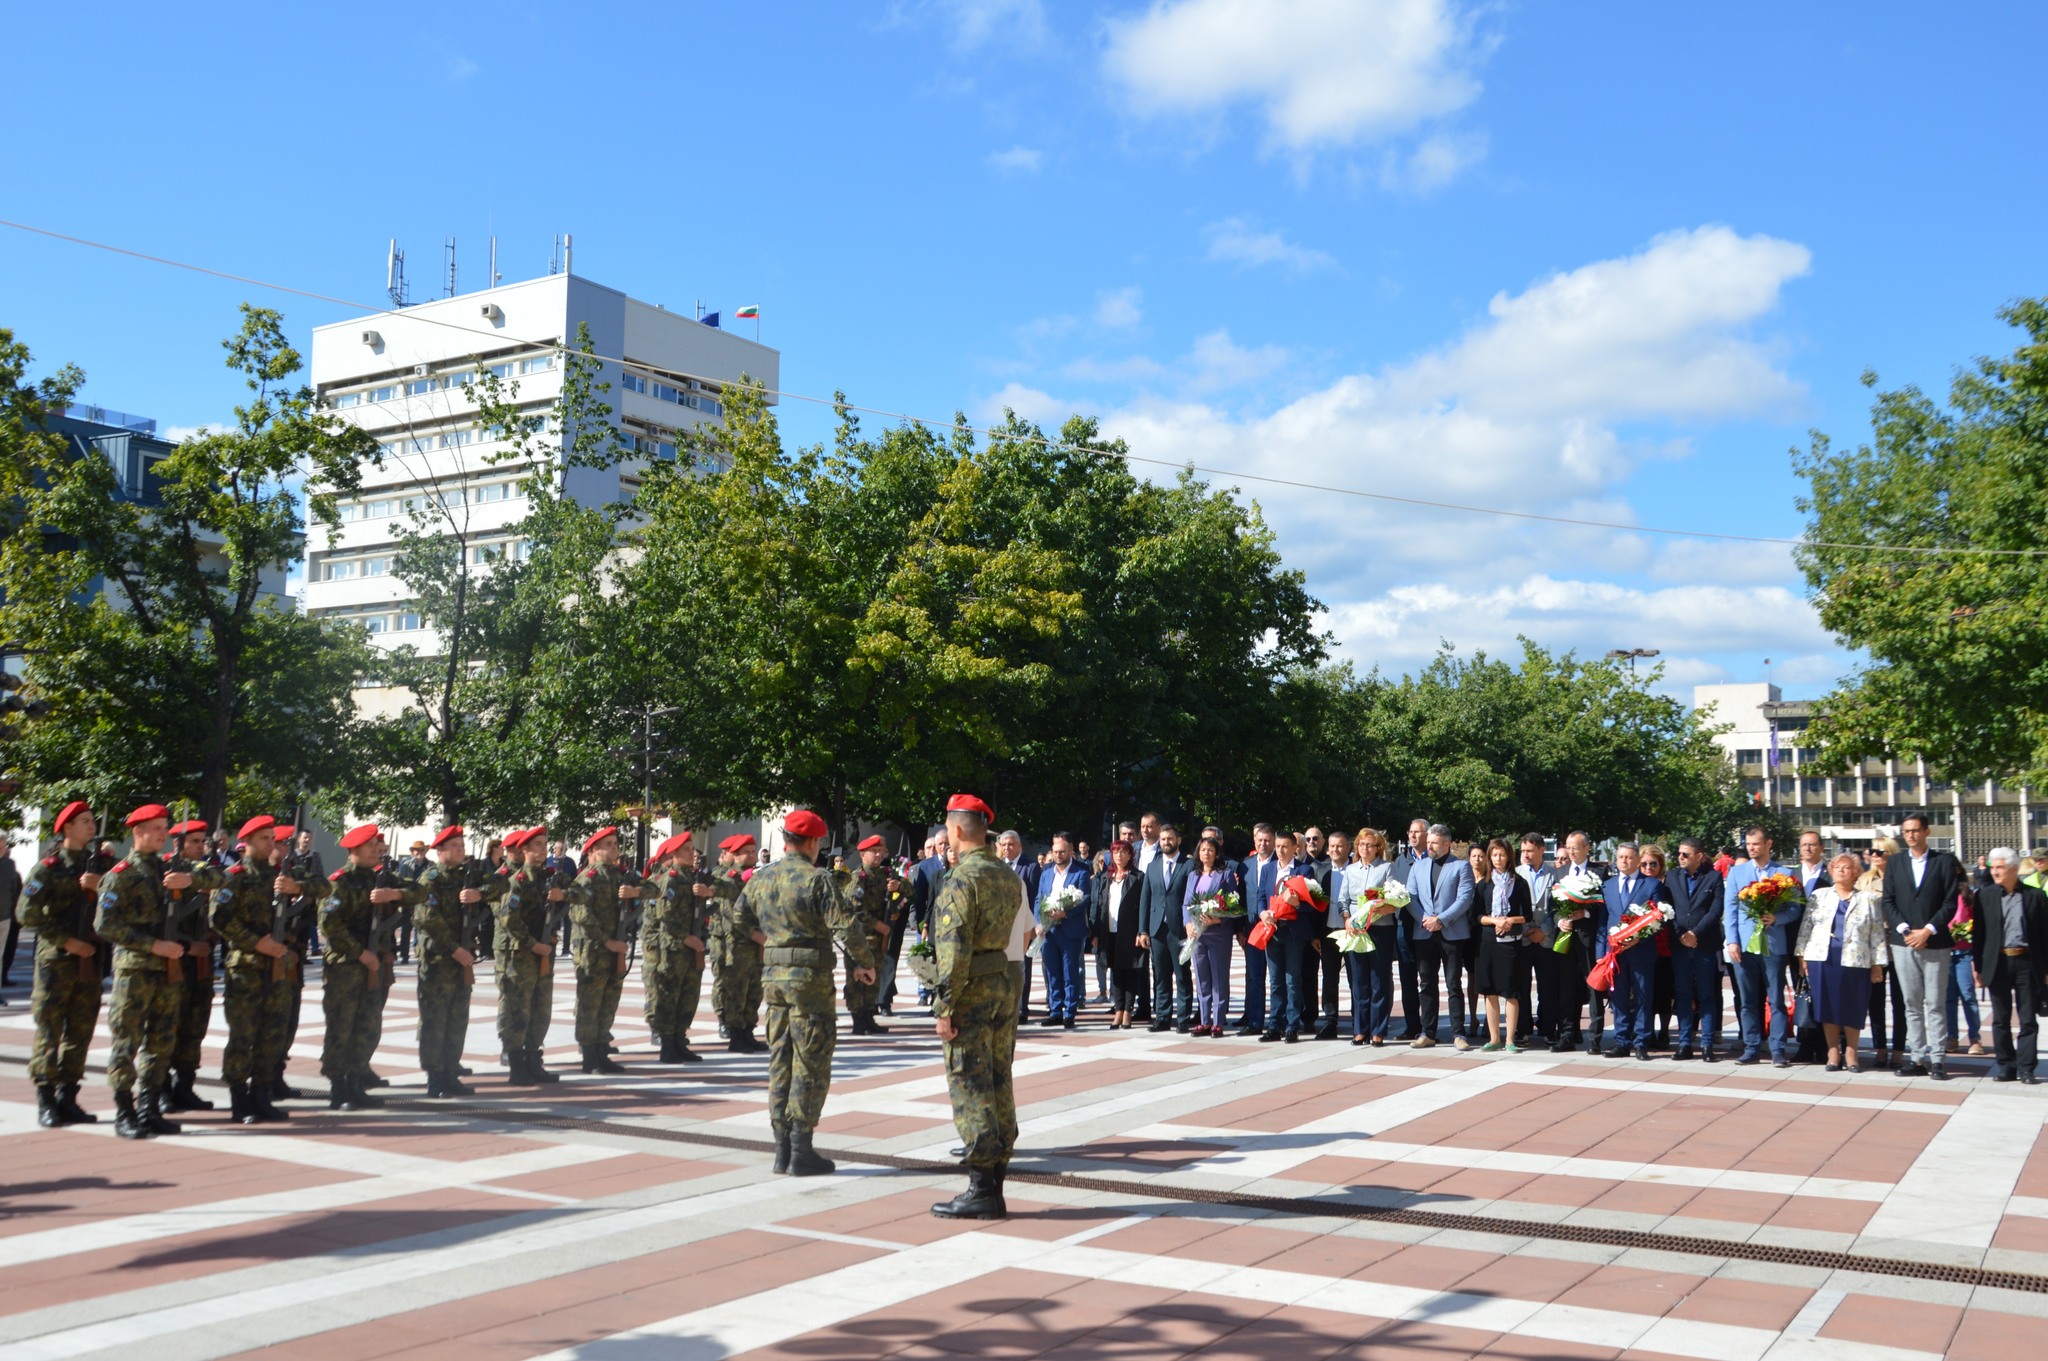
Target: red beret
[(513, 839), (672, 845), (873, 843), (804, 823), (597, 836), (967, 803), (360, 836), (149, 812), (71, 810), (190, 825), (735, 841), (444, 835), (262, 822)]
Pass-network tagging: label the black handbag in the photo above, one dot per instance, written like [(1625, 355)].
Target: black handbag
[(1802, 1006)]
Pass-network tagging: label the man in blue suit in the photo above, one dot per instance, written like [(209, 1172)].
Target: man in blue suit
[(1066, 940), (1010, 850), (1261, 873), (1760, 977), (1166, 886), (1635, 972), (1696, 950), (1439, 910), (1287, 953)]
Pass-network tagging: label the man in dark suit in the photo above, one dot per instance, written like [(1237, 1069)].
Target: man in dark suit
[(1635, 970), (1920, 891), (924, 893), (2011, 952), (1696, 949), (1261, 876), (1010, 850), (1323, 963), (1287, 953), (1064, 941), (1160, 908), (1411, 1005)]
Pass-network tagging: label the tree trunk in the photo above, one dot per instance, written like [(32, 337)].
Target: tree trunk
[(213, 773)]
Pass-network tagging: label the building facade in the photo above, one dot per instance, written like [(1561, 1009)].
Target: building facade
[(1767, 743)]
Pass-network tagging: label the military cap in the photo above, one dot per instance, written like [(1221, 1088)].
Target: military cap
[(262, 822), (360, 836), (735, 841), (597, 836), (190, 825), (70, 811), (873, 843), (672, 845), (804, 823), (149, 812), (445, 835), (967, 803)]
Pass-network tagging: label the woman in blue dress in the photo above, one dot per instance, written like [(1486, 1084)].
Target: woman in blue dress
[(1842, 943)]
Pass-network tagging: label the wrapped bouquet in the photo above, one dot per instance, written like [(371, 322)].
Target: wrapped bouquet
[(1637, 925), (1208, 910), (924, 961), (1057, 905), (1765, 898), (1579, 889)]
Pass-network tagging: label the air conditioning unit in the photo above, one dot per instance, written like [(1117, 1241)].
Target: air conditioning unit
[(372, 339), (492, 312), (419, 370)]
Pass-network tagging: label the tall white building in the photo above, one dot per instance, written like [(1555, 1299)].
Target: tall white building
[(400, 375)]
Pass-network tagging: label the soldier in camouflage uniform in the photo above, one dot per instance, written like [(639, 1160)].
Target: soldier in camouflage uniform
[(457, 891), (299, 862), (740, 1008), (600, 900), (734, 853), (195, 1007), (529, 920), (800, 910), (974, 997), (354, 981), (867, 891), (257, 995), (672, 947), (57, 904), (148, 974)]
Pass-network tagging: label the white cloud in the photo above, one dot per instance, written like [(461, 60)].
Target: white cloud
[(1119, 310), (1028, 402), (1325, 72), (1434, 163), (1018, 160), (178, 434), (1236, 241)]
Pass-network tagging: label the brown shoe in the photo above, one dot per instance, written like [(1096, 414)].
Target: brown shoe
[(1422, 1042)]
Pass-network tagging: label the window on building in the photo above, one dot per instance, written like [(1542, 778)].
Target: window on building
[(1907, 784), (341, 401), (376, 567), (1939, 787), (1877, 786), (665, 393), (632, 381), (1816, 786), (1752, 786), (1787, 785), (407, 621), (375, 623), (339, 571), (383, 394), (1808, 755), (1749, 756), (539, 364), (420, 387)]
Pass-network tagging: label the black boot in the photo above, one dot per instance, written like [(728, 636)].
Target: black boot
[(451, 1085), (260, 1107), (239, 1111), (186, 1098), (47, 1114), (127, 1123), (150, 1110), (983, 1198), (463, 1070), (341, 1094), (668, 1051), (68, 1109), (595, 1060), (873, 1029), (804, 1160), (536, 1069), (370, 1079), (781, 1167), (280, 1090), (685, 1054), (521, 1074), (359, 1094)]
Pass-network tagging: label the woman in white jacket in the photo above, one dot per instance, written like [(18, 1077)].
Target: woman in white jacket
[(1842, 942)]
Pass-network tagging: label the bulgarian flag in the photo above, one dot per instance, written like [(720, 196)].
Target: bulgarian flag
[(752, 310)]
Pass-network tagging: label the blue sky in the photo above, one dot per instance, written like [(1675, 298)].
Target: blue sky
[(1603, 261)]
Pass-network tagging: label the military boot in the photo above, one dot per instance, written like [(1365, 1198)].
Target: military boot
[(595, 1060), (47, 1114), (452, 1085), (804, 1161), (521, 1073), (280, 1090), (685, 1054), (781, 1167), (182, 1097), (68, 1108), (668, 1051), (359, 1094), (340, 1094), (537, 1068), (983, 1198), (260, 1107), (873, 1028), (127, 1123), (150, 1110), (238, 1104), (369, 1079)]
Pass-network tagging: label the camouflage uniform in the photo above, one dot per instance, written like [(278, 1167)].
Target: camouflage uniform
[(867, 894), (143, 1015), (717, 934), (443, 926), (352, 996), (311, 875), (800, 910), (65, 999), (526, 981), (595, 910), (740, 1010), (974, 985), (257, 994), (195, 1006), (671, 973)]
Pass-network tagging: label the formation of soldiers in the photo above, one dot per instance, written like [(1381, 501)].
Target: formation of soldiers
[(772, 936)]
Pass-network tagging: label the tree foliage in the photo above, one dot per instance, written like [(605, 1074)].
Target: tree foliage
[(1958, 641)]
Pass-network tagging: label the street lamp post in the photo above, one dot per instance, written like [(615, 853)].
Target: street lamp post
[(1629, 655)]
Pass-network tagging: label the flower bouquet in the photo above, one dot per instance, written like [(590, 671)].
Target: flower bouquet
[(1641, 922), (1055, 908), (1295, 889), (1209, 909), (1578, 890), (1963, 931), (924, 962), (1765, 898), (1384, 902)]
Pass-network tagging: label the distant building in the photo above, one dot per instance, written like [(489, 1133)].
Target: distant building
[(1851, 807)]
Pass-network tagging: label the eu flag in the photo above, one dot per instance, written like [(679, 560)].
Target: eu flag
[(709, 319)]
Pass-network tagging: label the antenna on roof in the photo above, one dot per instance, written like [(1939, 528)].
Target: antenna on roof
[(394, 275), (555, 256), (495, 276), (450, 249)]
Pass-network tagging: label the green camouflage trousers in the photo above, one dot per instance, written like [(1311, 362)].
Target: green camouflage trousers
[(354, 1009), (444, 1015), (195, 1012), (143, 1018), (291, 1025), (65, 1007), (863, 996), (673, 978), (978, 1070), (742, 1008), (259, 1009), (803, 1030), (598, 985), (718, 961), (526, 999)]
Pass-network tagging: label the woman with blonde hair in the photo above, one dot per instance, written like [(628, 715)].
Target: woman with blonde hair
[(1842, 943), (1372, 974)]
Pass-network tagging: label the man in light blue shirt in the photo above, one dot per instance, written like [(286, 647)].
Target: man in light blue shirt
[(1439, 910), (1760, 979)]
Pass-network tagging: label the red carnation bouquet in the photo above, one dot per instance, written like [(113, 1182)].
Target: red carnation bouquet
[(1296, 889), (1637, 925)]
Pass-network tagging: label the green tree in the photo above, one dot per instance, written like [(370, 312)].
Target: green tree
[(150, 615), (1927, 554)]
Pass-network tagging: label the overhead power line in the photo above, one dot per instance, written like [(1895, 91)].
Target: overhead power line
[(499, 339)]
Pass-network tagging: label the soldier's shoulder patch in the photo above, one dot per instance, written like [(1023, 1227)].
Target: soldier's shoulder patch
[(335, 877), (50, 862), (234, 869), (118, 867), (946, 919)]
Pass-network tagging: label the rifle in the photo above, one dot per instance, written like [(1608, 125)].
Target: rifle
[(476, 917), (178, 913), (96, 862), (384, 926), (551, 924), (631, 911)]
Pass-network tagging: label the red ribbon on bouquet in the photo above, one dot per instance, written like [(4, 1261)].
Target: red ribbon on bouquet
[(1633, 931)]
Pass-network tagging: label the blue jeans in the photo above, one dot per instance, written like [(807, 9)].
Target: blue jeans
[(1064, 974), (1757, 978), (1285, 986), (1372, 983), (1634, 995), (1254, 985), (1962, 992), (1696, 986)]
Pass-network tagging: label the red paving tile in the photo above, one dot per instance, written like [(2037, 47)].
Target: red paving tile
[(1985, 1336), (2034, 1175), (862, 1125), (1898, 1323), (612, 1176), (2022, 1233), (1748, 1304)]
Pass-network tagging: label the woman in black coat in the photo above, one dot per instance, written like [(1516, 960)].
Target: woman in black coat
[(1500, 906), (1118, 932)]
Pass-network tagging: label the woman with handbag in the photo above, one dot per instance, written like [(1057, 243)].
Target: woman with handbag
[(1501, 904), (1842, 942)]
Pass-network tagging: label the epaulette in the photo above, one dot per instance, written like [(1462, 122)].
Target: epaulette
[(122, 865), (234, 869), (335, 877), (51, 861)]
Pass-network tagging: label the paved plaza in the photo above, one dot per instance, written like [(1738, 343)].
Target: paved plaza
[(1172, 1197)]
